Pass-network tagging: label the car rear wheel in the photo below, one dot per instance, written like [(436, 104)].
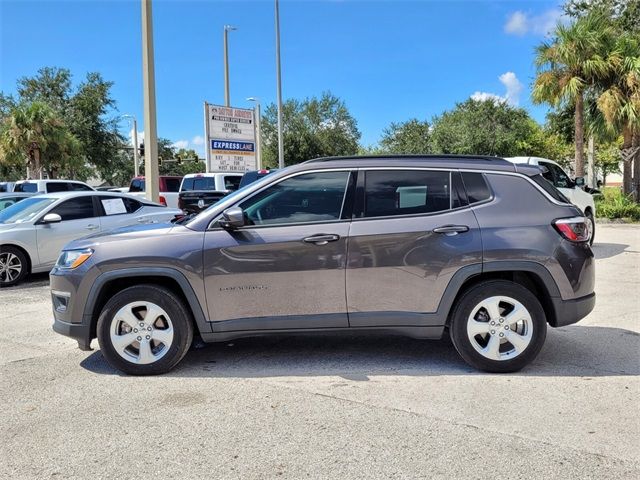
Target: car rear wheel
[(144, 330), (498, 326), (13, 266)]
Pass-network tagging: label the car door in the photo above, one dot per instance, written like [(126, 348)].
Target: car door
[(78, 220), (411, 232), (116, 212), (286, 268)]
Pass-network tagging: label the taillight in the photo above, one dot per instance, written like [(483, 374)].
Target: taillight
[(573, 229), (163, 200)]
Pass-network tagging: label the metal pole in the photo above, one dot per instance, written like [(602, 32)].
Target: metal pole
[(227, 101), (207, 142), (258, 135), (136, 154), (279, 88), (149, 90)]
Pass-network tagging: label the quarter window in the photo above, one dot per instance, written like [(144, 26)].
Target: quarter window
[(307, 198), (75, 208), (405, 192), (476, 187), (232, 182)]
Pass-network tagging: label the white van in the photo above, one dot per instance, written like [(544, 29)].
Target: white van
[(572, 189)]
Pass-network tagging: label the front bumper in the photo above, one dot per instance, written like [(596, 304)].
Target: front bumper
[(78, 331), (572, 311)]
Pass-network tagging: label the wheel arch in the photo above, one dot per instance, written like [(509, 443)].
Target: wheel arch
[(23, 250), (110, 283), (533, 276)]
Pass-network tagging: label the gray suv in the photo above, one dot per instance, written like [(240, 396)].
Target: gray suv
[(480, 248)]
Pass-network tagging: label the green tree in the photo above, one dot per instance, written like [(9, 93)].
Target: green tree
[(608, 159), (482, 127), (312, 128), (84, 110), (567, 65), (412, 137), (33, 135)]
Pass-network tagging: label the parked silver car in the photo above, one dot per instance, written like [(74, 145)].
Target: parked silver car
[(33, 231)]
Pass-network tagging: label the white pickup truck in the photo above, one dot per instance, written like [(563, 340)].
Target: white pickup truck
[(169, 188)]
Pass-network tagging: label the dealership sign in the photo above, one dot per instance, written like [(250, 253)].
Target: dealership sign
[(231, 139)]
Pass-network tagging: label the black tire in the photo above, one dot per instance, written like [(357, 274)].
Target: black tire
[(16, 257), (590, 218), (470, 299), (175, 309)]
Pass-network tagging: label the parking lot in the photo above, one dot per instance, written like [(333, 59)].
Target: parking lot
[(330, 406)]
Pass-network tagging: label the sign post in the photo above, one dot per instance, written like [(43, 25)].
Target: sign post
[(231, 141)]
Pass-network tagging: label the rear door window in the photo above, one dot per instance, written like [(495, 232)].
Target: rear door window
[(406, 192), (75, 208), (232, 182), (57, 187), (172, 184)]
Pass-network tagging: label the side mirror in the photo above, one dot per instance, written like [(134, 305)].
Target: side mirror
[(52, 218), (232, 218), (579, 181)]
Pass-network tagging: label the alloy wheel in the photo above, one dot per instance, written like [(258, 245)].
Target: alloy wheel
[(500, 328), (10, 267), (141, 332)]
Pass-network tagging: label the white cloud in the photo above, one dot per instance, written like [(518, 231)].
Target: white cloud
[(521, 23), (513, 86), (512, 95), (140, 136), (516, 24), (197, 140), (180, 144), (483, 96)]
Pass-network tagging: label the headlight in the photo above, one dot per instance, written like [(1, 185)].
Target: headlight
[(73, 258)]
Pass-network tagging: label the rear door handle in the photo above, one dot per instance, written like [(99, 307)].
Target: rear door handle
[(450, 230), (321, 239)]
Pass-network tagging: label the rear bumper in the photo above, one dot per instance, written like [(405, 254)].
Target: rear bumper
[(572, 311)]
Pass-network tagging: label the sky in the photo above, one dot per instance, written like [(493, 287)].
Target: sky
[(388, 60)]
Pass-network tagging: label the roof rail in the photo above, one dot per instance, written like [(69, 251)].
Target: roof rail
[(486, 158)]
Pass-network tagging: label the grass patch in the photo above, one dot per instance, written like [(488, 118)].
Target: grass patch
[(614, 204)]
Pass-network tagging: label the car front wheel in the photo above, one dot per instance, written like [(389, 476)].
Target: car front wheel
[(144, 330), (13, 266), (498, 326)]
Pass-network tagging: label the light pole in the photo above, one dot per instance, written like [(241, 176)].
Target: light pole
[(227, 29), (279, 88), (149, 89), (136, 159), (256, 115)]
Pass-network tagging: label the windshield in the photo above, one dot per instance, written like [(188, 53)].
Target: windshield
[(25, 210)]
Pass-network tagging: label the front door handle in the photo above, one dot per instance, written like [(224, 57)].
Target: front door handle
[(321, 239), (450, 230), (91, 226)]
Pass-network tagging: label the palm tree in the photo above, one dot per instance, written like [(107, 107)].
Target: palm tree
[(569, 65), (619, 104)]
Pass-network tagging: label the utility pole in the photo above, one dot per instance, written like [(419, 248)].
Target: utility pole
[(149, 89), (256, 116), (279, 88), (136, 155), (227, 99)]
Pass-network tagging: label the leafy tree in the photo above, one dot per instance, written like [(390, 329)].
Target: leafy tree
[(312, 128), (84, 110), (412, 136), (482, 127), (568, 65), (608, 159), (36, 124)]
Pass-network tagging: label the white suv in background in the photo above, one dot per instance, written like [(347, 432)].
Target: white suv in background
[(51, 186), (572, 189)]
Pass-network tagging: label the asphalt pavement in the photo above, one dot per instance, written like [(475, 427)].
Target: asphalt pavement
[(330, 406)]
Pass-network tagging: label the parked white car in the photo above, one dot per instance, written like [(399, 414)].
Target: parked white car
[(33, 231), (51, 186), (572, 189)]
